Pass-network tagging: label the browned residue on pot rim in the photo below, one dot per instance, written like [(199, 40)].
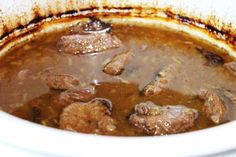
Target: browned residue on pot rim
[(34, 25)]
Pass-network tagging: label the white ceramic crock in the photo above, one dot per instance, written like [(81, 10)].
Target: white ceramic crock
[(212, 20)]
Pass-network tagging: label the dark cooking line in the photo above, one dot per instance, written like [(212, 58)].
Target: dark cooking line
[(220, 34)]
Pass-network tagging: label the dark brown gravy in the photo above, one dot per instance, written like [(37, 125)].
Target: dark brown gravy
[(23, 94)]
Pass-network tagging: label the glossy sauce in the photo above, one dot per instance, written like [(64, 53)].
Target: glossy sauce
[(24, 95)]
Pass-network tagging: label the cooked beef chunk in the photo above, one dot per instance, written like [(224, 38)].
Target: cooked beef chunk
[(91, 37), (91, 117), (231, 66), (161, 81), (88, 43), (106, 124), (58, 81), (74, 95), (213, 59), (161, 120), (217, 103), (117, 64)]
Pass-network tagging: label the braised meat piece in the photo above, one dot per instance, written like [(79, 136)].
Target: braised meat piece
[(58, 81), (88, 43), (213, 59), (161, 81), (117, 64), (217, 103), (161, 120), (91, 117), (231, 66), (74, 95), (93, 36)]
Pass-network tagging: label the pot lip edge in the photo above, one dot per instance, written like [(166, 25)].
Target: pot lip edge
[(202, 33), (189, 139), (166, 13), (203, 130)]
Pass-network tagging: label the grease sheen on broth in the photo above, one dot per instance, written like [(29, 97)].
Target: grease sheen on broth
[(24, 95)]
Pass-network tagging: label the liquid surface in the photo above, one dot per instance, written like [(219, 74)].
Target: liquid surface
[(24, 95)]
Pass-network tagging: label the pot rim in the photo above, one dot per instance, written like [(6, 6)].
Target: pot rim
[(31, 137), (40, 139), (216, 17)]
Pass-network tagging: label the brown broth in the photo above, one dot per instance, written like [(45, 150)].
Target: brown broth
[(153, 48)]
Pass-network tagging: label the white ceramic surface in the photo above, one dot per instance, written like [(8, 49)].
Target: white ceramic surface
[(52, 142)]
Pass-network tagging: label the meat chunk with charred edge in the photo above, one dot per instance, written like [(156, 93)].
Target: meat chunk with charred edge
[(117, 64), (74, 95), (59, 81), (91, 117), (93, 36), (161, 81), (217, 103), (161, 120), (231, 66)]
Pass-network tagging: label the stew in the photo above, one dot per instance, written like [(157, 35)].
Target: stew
[(121, 80)]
